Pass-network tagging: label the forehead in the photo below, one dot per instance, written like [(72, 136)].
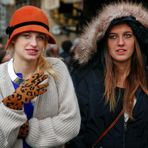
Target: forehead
[(34, 32), (121, 28)]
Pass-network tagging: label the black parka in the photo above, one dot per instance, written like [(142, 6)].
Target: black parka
[(96, 116)]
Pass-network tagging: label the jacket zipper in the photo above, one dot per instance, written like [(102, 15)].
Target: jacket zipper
[(125, 122), (124, 133)]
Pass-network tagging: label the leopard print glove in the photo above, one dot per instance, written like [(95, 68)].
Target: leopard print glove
[(27, 91), (24, 129)]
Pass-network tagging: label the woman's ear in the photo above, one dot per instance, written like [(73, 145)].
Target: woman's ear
[(12, 42)]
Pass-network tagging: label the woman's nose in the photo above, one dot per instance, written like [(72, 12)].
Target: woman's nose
[(33, 41), (120, 40)]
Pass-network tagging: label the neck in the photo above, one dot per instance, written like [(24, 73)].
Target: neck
[(121, 72), (26, 68)]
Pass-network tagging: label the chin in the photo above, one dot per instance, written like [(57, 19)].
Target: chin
[(32, 57)]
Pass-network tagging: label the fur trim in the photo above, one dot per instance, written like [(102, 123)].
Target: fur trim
[(96, 29)]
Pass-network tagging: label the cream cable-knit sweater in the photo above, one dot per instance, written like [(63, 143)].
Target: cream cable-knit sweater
[(56, 117)]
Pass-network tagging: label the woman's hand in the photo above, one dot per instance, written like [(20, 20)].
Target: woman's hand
[(27, 91), (24, 129)]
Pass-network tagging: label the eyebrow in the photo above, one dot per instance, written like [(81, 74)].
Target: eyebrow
[(123, 32)]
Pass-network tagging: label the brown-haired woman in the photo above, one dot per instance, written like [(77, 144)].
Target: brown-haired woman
[(111, 79)]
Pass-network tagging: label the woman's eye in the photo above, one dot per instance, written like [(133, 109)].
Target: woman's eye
[(41, 37), (112, 36), (128, 35), (26, 35)]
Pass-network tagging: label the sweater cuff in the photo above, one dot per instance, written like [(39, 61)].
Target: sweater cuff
[(10, 119)]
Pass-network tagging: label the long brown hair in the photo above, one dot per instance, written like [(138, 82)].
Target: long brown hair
[(135, 79)]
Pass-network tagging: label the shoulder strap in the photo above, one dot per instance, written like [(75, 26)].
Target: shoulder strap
[(108, 129)]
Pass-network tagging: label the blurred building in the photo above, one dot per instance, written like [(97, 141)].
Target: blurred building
[(3, 22)]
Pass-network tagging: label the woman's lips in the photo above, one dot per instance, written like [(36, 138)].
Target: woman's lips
[(32, 51), (120, 51)]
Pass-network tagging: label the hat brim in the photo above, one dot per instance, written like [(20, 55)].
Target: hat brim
[(27, 28)]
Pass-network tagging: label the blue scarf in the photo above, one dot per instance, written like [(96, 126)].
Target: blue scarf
[(28, 107)]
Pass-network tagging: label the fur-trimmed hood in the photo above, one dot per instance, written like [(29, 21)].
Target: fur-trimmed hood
[(96, 29)]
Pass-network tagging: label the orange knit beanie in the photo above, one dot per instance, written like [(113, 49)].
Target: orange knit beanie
[(28, 18)]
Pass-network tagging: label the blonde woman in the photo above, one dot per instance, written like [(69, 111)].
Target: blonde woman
[(39, 106)]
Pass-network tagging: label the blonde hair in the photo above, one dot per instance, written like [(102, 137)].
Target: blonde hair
[(42, 64)]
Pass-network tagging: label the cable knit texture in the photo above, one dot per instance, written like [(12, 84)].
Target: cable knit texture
[(56, 117)]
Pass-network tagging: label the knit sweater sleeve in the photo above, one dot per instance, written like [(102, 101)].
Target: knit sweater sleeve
[(57, 130), (10, 122)]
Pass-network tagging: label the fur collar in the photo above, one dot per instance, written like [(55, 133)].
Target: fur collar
[(96, 29)]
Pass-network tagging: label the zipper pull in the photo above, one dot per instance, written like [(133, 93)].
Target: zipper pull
[(125, 125)]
